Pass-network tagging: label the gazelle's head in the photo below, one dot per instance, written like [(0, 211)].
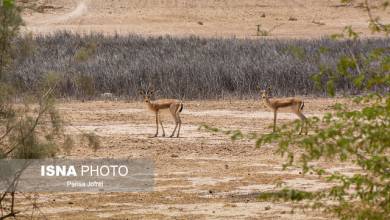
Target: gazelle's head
[(264, 92), (147, 95)]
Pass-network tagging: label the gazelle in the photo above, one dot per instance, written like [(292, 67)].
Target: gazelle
[(175, 106), (295, 104)]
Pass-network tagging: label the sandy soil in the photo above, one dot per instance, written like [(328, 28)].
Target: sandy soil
[(200, 175), (209, 18)]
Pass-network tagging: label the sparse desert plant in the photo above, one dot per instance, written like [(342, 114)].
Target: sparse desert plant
[(85, 52), (261, 32), (86, 86)]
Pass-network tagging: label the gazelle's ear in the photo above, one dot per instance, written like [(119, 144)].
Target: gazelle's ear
[(151, 91), (269, 91), (258, 88), (141, 92)]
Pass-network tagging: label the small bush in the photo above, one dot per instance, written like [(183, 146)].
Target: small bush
[(84, 53)]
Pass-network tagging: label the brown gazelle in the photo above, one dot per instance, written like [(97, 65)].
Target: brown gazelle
[(175, 106), (295, 104)]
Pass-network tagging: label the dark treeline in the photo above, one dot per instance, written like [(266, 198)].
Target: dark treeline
[(190, 68)]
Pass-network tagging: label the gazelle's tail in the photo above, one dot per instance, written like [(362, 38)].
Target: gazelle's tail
[(181, 107), (302, 105)]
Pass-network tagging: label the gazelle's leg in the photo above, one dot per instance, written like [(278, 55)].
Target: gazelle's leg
[(173, 109), (306, 127), (156, 124), (162, 127), (174, 130), (303, 119), (179, 120), (275, 113)]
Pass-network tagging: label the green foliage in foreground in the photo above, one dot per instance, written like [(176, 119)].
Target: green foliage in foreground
[(360, 137)]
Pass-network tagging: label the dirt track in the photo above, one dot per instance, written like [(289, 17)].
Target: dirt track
[(208, 18), (198, 176)]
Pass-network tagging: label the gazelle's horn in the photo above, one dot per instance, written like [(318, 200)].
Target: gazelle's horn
[(152, 90)]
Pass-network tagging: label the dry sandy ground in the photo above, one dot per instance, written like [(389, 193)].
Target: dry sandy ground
[(209, 18), (200, 175)]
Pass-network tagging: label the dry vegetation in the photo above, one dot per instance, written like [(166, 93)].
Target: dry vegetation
[(189, 68)]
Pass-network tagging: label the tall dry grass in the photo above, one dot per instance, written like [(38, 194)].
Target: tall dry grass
[(190, 68)]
